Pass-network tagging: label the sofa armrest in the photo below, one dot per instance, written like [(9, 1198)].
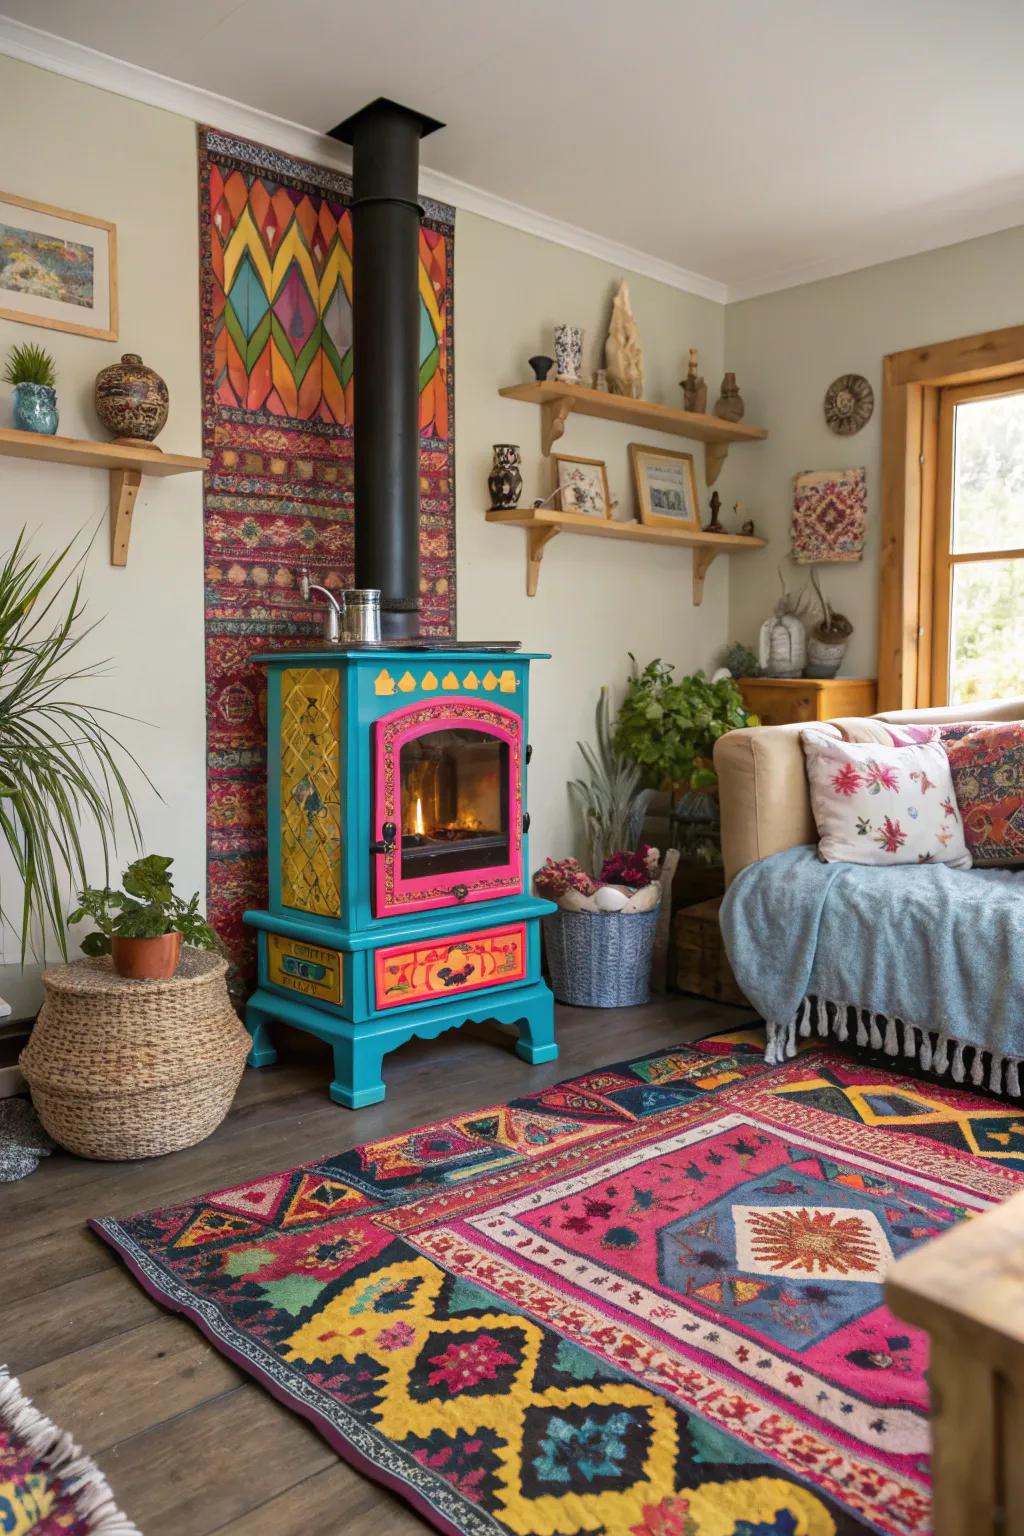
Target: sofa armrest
[(762, 791), (988, 709)]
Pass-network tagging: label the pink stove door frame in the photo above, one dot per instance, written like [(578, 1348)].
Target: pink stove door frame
[(435, 891)]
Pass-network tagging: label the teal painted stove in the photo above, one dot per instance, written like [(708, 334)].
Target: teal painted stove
[(398, 862)]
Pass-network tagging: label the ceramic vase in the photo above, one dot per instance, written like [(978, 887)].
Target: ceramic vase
[(782, 650), (729, 405), (568, 353), (35, 408), (505, 482), (824, 658), (132, 400)]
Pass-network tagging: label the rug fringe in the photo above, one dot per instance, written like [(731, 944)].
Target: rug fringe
[(85, 1484), (934, 1052)]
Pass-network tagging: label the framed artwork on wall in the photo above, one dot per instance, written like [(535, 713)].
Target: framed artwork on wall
[(57, 269), (583, 485), (666, 486)]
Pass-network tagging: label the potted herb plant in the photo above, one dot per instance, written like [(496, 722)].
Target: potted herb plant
[(143, 926), (32, 372)]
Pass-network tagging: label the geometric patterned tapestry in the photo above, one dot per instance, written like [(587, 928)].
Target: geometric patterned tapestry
[(276, 318)]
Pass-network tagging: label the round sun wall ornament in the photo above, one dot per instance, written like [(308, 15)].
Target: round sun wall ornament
[(849, 402)]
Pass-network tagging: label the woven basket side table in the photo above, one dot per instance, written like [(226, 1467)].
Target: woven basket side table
[(125, 1069)]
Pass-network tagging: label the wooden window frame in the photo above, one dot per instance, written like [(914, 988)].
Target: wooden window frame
[(912, 382)]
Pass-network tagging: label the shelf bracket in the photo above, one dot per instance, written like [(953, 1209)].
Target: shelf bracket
[(702, 558), (536, 538), (715, 455), (124, 487), (553, 416)]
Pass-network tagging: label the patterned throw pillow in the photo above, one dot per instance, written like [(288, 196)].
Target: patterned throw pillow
[(883, 805), (988, 776)]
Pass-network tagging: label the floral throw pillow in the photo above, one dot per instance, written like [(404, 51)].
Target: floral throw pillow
[(883, 805), (988, 776)]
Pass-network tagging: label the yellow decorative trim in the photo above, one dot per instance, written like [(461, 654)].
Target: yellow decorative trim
[(428, 682), (407, 682), (508, 681), (490, 681), (383, 683), (449, 680), (306, 968), (311, 790), (471, 681)]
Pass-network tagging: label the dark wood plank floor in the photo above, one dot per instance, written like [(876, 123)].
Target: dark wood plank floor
[(190, 1444)]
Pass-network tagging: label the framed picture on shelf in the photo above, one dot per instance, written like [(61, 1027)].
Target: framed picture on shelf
[(666, 487), (582, 485), (57, 269)]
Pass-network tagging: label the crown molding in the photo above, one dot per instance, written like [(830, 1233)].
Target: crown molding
[(60, 56)]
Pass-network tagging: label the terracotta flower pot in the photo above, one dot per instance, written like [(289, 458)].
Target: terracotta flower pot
[(146, 959)]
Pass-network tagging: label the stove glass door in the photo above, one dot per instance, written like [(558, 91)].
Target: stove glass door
[(454, 794)]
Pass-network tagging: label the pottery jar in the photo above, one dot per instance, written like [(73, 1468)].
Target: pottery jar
[(132, 400), (505, 482)]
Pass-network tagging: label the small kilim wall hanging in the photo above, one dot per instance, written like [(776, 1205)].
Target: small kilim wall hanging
[(829, 514), (276, 289)]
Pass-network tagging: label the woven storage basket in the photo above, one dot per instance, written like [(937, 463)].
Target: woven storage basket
[(600, 959), (122, 1069)]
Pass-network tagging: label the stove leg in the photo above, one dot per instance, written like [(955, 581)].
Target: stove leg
[(261, 1052), (357, 1077), (536, 1041)]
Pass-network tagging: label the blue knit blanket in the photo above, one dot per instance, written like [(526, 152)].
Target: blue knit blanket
[(919, 958)]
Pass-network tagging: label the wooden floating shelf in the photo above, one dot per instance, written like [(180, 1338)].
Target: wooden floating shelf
[(126, 462), (543, 523), (558, 401)]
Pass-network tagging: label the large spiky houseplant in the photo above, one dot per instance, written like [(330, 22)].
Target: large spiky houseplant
[(61, 777), (611, 802)]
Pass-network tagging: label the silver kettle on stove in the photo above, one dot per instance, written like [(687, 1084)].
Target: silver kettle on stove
[(355, 618)]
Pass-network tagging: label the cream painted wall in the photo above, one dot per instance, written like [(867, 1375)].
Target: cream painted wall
[(104, 155), (596, 599), (96, 153), (787, 348)]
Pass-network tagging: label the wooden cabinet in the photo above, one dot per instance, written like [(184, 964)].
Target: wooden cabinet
[(788, 700)]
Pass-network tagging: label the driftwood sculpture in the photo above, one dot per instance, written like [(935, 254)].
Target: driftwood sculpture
[(623, 355)]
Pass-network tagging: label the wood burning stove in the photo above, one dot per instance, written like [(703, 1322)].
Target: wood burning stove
[(398, 867)]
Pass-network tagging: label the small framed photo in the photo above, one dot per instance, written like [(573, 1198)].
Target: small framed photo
[(582, 485), (57, 269), (666, 486)]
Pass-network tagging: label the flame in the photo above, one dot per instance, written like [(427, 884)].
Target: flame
[(417, 817)]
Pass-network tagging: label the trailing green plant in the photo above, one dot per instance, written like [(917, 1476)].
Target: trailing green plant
[(668, 727), (60, 770), (611, 801), (30, 364), (145, 908)]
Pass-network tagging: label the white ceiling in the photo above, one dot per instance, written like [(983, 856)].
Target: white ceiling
[(753, 144)]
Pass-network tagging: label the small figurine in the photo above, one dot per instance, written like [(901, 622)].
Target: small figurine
[(695, 391), (623, 353), (716, 525), (600, 380), (729, 405), (541, 366), (747, 529)]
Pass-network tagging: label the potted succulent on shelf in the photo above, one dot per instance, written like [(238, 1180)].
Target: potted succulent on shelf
[(600, 942), (32, 372), (143, 926)]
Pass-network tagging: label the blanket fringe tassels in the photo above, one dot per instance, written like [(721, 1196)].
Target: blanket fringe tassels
[(56, 1451), (933, 1051)]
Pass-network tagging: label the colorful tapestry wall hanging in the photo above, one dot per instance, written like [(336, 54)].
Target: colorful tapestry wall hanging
[(644, 1302), (829, 515), (276, 286)]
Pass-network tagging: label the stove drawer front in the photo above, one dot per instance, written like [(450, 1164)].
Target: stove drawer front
[(427, 972)]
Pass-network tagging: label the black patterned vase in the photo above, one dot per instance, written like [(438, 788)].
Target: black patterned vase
[(505, 482), (131, 400)]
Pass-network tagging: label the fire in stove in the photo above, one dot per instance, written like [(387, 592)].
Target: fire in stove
[(454, 801)]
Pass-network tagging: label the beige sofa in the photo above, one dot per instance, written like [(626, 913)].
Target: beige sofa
[(763, 795)]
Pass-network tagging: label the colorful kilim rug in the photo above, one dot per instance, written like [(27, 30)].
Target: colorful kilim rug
[(276, 285), (647, 1300), (47, 1487)]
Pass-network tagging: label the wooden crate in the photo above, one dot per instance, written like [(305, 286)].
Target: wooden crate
[(698, 962)]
